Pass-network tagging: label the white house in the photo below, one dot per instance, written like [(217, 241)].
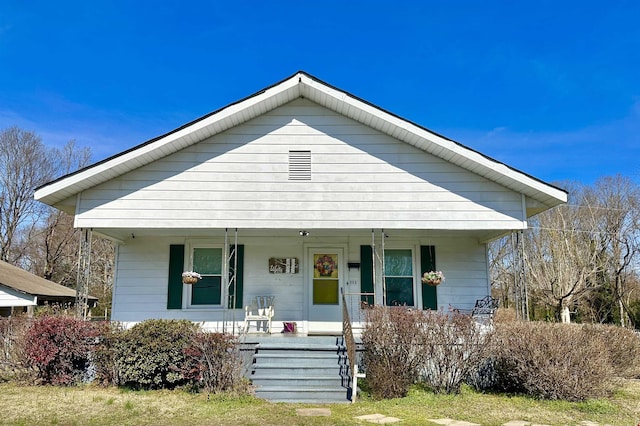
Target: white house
[(22, 291), (297, 191)]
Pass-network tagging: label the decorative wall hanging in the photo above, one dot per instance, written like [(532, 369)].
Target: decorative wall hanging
[(284, 265)]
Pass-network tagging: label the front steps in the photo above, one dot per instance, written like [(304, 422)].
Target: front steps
[(299, 369)]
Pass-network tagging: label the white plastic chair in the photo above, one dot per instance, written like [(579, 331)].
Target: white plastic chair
[(261, 311)]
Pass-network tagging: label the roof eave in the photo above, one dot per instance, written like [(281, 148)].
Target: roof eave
[(300, 84)]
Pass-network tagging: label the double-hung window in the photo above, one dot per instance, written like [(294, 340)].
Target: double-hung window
[(399, 280), (207, 261)]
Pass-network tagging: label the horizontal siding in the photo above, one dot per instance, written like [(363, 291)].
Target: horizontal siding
[(140, 291), (10, 297), (359, 175)]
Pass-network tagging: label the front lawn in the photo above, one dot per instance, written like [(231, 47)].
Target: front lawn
[(90, 405)]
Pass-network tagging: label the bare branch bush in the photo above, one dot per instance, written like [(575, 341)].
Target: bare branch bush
[(453, 347), (403, 346), (549, 360), (392, 340)]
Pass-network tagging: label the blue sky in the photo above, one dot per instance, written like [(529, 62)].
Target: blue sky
[(549, 87)]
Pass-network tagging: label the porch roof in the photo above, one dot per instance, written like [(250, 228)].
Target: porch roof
[(62, 191)]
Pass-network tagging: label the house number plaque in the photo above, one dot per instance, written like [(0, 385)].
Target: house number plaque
[(284, 265)]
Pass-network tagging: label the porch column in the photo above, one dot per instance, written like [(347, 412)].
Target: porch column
[(84, 273)]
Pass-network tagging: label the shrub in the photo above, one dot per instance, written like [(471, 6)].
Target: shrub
[(454, 347), (622, 348), (392, 356), (148, 355), (552, 361), (214, 362), (104, 353), (13, 358), (59, 349)]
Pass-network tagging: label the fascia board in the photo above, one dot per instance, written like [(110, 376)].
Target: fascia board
[(172, 142), (437, 145)]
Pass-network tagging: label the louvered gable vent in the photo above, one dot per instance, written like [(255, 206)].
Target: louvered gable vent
[(299, 165)]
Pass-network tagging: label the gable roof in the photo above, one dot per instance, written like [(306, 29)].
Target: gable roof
[(301, 85), (26, 282)]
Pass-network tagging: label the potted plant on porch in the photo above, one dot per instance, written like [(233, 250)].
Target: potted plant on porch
[(190, 277), (433, 278)]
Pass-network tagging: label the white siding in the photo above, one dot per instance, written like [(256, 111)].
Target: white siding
[(9, 297), (360, 179), (142, 273)]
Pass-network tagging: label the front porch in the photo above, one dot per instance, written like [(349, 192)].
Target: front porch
[(240, 265)]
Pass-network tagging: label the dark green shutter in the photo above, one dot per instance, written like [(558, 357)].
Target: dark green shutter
[(176, 263), (366, 273), (428, 263), (239, 277)]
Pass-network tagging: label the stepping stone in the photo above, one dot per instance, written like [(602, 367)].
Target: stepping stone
[(313, 412), (452, 422), (522, 423), (378, 418)]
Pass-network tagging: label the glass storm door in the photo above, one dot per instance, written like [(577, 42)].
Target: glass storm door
[(326, 274)]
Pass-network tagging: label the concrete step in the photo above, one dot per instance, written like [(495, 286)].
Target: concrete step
[(300, 358), (276, 347), (291, 370), (306, 369), (284, 393), (297, 382)]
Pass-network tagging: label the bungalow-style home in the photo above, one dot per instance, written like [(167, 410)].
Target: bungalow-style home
[(21, 291), (299, 192)]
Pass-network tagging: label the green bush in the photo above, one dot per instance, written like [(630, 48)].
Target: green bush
[(149, 354)]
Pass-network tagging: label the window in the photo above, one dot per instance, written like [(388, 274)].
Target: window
[(398, 271), (207, 261)]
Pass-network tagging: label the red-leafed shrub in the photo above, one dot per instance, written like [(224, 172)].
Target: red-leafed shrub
[(59, 349)]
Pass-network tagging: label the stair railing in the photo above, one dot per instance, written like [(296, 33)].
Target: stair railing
[(350, 343)]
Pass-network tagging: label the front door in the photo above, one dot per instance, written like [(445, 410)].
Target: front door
[(326, 274)]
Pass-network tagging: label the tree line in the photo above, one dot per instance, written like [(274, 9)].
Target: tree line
[(580, 260), (37, 237)]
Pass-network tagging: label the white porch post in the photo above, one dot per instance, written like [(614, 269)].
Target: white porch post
[(84, 273)]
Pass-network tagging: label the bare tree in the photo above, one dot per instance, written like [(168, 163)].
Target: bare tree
[(501, 264), (562, 253), (59, 238), (25, 164), (618, 210)]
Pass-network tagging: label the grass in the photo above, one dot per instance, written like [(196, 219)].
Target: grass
[(47, 405)]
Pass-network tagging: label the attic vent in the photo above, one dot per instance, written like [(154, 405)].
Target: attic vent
[(299, 165)]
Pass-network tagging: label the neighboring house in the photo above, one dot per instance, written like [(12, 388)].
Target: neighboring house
[(309, 186), (21, 291)]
